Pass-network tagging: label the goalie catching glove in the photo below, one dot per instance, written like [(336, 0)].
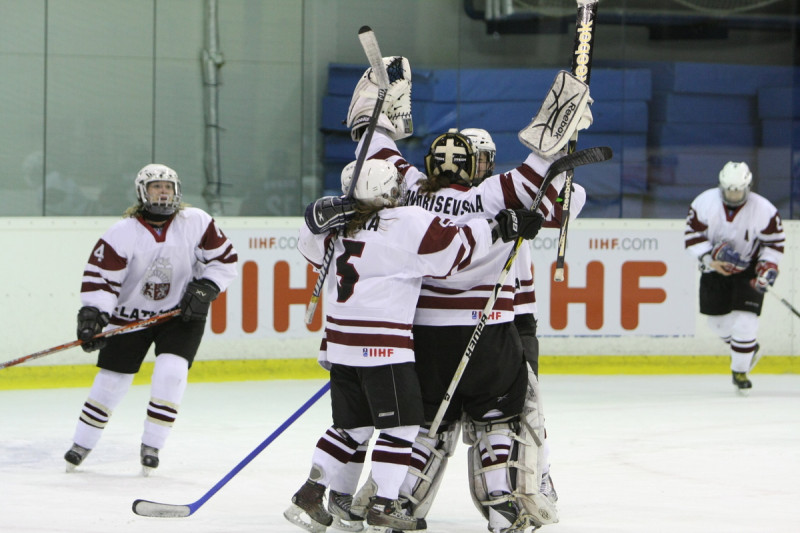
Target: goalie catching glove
[(564, 111), (395, 116), (91, 321), (766, 274), (197, 299), (513, 224), (329, 213)]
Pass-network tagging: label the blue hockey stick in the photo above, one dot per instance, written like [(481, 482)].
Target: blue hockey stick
[(168, 510)]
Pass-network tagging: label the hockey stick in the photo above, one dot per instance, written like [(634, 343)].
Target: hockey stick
[(168, 510), (127, 327), (568, 162), (582, 69), (784, 301), (370, 45)]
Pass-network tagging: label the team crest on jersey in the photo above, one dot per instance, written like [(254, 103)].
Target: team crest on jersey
[(157, 280)]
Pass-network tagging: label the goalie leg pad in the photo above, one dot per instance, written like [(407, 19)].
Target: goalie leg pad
[(564, 111), (525, 465), (427, 477)]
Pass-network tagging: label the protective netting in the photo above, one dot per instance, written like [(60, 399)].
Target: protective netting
[(499, 9)]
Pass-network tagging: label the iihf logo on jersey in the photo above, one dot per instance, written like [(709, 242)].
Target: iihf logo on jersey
[(157, 279), (377, 352)]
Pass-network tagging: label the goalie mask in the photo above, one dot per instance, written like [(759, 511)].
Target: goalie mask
[(395, 116), (451, 153), (158, 202), (379, 184), (485, 150), (734, 183)]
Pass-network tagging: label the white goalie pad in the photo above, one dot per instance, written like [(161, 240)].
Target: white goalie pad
[(430, 477), (395, 116), (564, 111), (524, 467)]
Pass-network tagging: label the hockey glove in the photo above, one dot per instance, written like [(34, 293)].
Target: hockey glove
[(197, 299), (565, 110), (329, 213), (395, 116), (91, 321), (728, 260), (515, 223), (766, 274)]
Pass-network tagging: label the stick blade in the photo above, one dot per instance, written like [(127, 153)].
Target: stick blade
[(161, 510)]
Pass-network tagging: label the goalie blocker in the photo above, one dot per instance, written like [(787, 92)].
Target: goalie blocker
[(564, 111)]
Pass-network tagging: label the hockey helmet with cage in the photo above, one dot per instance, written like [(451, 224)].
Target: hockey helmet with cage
[(452, 153), (164, 204), (734, 183), (485, 150), (379, 184)]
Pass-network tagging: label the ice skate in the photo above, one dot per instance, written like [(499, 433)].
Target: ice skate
[(742, 383), (149, 458), (502, 515), (75, 456), (340, 508), (388, 516), (548, 489), (307, 510)]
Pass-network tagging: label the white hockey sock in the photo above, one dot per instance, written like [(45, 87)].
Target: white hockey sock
[(496, 479), (107, 391), (166, 392), (333, 455), (390, 458)]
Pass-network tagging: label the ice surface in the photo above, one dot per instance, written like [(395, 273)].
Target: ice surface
[(630, 454)]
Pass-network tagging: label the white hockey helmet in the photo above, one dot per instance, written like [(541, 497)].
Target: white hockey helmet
[(379, 184), (452, 153), (734, 183), (485, 151), (164, 204), (347, 176)]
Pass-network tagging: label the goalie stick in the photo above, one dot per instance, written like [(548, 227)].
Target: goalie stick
[(127, 327), (582, 69), (588, 156), (168, 510), (370, 45)]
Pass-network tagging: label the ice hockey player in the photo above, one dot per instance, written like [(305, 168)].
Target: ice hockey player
[(737, 236)]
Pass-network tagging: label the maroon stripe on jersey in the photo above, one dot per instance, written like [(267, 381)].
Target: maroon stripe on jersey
[(368, 339), (90, 274), (524, 298), (774, 226), (105, 257), (367, 323), (226, 256), (212, 238), (386, 153), (437, 238), (443, 290), (435, 302), (694, 223), (510, 198), (91, 287)]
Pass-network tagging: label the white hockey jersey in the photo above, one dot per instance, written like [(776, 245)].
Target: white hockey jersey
[(375, 276), (754, 229), (460, 299), (135, 271)]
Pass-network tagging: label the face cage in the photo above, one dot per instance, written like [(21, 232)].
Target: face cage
[(489, 165), (165, 207), (735, 201)]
